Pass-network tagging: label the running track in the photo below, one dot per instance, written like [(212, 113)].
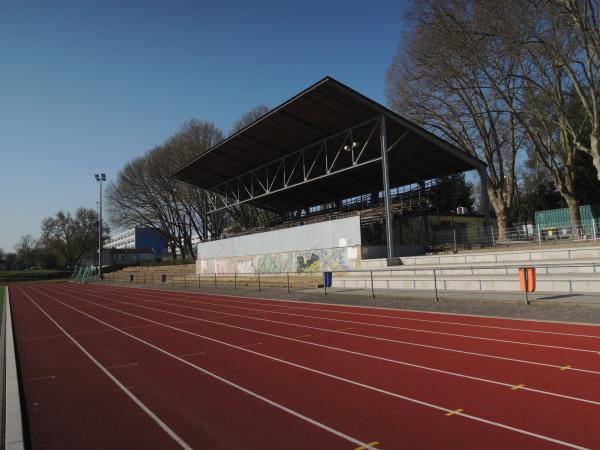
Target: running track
[(118, 367)]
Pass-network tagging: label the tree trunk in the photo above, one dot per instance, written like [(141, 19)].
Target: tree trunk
[(502, 212), (595, 153), (574, 213)]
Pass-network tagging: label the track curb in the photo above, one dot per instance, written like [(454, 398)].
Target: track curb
[(13, 420)]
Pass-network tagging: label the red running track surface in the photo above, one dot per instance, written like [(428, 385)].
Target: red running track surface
[(119, 367)]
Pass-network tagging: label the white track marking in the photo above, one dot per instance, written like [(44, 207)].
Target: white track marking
[(465, 352), (381, 316), (418, 330), (341, 305), (494, 327), (396, 341), (206, 372), (352, 352), (136, 400), (329, 375)]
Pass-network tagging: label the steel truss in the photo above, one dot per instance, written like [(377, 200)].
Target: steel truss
[(354, 147)]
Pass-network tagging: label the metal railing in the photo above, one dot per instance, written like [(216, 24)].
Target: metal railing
[(433, 278)]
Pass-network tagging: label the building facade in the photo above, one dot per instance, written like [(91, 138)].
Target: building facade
[(137, 238)]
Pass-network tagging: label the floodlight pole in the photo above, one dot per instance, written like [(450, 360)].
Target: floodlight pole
[(389, 240), (100, 179)]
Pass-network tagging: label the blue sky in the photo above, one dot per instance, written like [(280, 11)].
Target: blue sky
[(86, 86)]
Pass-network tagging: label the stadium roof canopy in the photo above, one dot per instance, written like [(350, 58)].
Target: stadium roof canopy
[(324, 144)]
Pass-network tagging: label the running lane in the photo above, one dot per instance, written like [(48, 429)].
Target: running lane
[(79, 411), (523, 410), (68, 401), (528, 374)]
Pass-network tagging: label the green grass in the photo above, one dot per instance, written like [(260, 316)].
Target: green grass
[(2, 290)]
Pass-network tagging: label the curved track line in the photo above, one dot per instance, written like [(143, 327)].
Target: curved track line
[(366, 355), (213, 375), (339, 378), (132, 396)]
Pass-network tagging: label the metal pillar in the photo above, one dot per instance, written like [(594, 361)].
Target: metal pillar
[(389, 240), (205, 221), (100, 178)]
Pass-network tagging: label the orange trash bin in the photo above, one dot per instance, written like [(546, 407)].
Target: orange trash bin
[(530, 271)]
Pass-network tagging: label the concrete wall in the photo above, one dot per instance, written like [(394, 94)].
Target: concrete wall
[(330, 245)]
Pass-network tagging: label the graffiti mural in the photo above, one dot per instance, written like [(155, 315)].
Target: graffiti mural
[(318, 260)]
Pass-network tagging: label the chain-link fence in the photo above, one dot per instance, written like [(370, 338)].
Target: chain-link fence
[(462, 237)]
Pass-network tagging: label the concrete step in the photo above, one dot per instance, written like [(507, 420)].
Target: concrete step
[(551, 267), (492, 282), (534, 255)]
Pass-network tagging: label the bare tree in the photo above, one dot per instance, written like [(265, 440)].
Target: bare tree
[(25, 248), (72, 237), (441, 77), (248, 117), (541, 42), (145, 194), (574, 43)]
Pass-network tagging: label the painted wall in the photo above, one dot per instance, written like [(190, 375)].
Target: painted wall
[(316, 247)]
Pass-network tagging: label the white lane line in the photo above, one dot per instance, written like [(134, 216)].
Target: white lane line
[(329, 375), (367, 355), (381, 316), (418, 330), (415, 344), (217, 377), (136, 400), (396, 341), (270, 300)]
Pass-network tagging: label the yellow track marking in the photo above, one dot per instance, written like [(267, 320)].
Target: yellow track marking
[(370, 444), (518, 386), (345, 329), (250, 345), (303, 336), (565, 367), (456, 411)]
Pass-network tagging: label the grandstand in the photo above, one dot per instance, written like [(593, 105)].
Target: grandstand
[(342, 177)]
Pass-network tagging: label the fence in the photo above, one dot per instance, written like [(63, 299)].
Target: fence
[(465, 238), (433, 279)]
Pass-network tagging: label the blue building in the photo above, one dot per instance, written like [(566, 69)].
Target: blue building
[(138, 238)]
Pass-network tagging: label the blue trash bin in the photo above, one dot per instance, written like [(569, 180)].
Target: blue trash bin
[(327, 279), (164, 278)]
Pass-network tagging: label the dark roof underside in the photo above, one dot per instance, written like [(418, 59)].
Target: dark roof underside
[(320, 111)]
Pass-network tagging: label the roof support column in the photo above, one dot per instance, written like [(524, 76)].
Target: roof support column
[(389, 238), (205, 221)]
